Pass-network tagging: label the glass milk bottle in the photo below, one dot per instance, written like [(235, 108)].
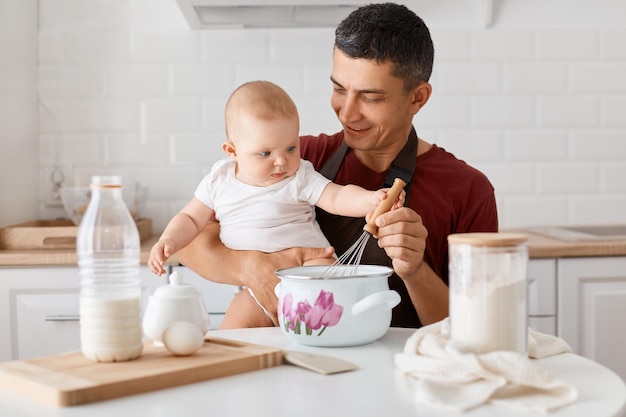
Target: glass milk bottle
[(488, 290), (108, 249)]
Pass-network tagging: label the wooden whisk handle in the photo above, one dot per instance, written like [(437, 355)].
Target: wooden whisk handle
[(385, 205)]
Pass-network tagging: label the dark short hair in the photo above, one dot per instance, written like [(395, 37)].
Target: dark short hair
[(389, 32)]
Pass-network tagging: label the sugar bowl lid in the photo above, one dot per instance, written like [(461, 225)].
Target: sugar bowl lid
[(176, 288)]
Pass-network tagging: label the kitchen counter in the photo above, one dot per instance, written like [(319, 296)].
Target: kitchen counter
[(542, 246), (376, 388), (50, 257), (539, 246)]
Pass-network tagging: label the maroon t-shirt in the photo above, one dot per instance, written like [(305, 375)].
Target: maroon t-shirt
[(451, 197)]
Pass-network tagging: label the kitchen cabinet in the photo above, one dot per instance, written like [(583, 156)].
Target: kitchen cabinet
[(591, 307), (39, 309), (542, 309), (217, 297)]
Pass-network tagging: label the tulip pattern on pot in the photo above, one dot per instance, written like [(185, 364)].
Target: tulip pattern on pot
[(304, 318)]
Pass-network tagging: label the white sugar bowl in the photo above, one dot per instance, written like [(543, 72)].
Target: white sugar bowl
[(173, 303)]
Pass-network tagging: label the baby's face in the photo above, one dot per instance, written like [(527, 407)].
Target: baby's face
[(268, 151)]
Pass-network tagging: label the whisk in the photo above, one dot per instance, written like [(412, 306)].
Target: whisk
[(347, 264)]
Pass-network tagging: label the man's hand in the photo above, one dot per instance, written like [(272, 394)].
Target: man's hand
[(208, 257), (403, 236), (260, 272)]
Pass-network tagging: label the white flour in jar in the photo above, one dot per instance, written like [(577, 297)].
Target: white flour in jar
[(492, 318)]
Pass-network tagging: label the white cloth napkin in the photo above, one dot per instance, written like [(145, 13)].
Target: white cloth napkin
[(449, 374)]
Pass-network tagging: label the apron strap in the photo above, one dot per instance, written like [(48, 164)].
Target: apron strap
[(403, 166), (342, 232)]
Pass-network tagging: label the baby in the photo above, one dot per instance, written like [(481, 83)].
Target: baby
[(263, 195)]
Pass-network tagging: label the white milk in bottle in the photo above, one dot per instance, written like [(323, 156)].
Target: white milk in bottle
[(108, 249)]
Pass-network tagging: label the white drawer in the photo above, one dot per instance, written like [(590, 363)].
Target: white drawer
[(542, 287), (543, 324)]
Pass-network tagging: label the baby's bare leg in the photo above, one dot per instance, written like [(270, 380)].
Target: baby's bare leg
[(244, 312)]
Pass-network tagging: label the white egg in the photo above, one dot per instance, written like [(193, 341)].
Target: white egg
[(183, 338)]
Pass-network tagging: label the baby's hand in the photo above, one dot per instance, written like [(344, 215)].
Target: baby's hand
[(381, 195), (160, 252)]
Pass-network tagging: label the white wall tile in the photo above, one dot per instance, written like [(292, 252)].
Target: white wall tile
[(567, 177), (316, 116), (289, 76), (444, 111), (613, 177), (172, 114), (510, 178), (167, 47), (122, 149), (136, 81), (567, 111), (535, 145), (450, 45), (472, 145), (295, 45), (202, 80), (598, 145), (533, 210), (156, 15), (469, 78), (317, 80), (80, 81), (194, 150), (82, 150), (598, 209), (155, 151), (88, 116), (235, 46), (598, 78), (612, 43), (96, 48), (613, 110), (500, 111), (81, 15), (511, 45), (535, 77), (537, 103), (567, 44)]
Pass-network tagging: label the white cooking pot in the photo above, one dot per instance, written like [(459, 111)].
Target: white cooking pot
[(351, 308)]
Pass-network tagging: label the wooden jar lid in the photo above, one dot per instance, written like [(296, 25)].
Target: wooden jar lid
[(488, 239)]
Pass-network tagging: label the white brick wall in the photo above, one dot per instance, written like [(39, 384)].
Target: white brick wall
[(538, 105)]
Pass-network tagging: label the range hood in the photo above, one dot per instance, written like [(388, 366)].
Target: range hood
[(205, 14)]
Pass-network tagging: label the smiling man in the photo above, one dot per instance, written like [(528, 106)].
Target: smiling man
[(382, 61)]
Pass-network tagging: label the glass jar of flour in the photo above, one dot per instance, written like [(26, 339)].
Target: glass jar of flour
[(488, 290)]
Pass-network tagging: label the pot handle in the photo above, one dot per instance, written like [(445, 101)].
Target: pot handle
[(277, 289), (389, 298)]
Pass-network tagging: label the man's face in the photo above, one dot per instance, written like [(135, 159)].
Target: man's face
[(370, 103)]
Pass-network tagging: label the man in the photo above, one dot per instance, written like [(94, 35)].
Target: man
[(382, 62)]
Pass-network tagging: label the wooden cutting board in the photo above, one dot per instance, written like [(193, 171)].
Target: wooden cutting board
[(71, 379)]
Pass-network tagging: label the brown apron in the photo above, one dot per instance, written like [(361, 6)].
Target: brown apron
[(342, 232)]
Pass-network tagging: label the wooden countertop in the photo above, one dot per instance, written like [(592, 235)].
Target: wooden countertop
[(62, 257), (539, 246)]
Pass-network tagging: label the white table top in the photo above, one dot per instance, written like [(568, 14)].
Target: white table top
[(377, 388)]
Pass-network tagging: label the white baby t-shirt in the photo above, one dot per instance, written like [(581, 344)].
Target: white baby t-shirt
[(270, 218)]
